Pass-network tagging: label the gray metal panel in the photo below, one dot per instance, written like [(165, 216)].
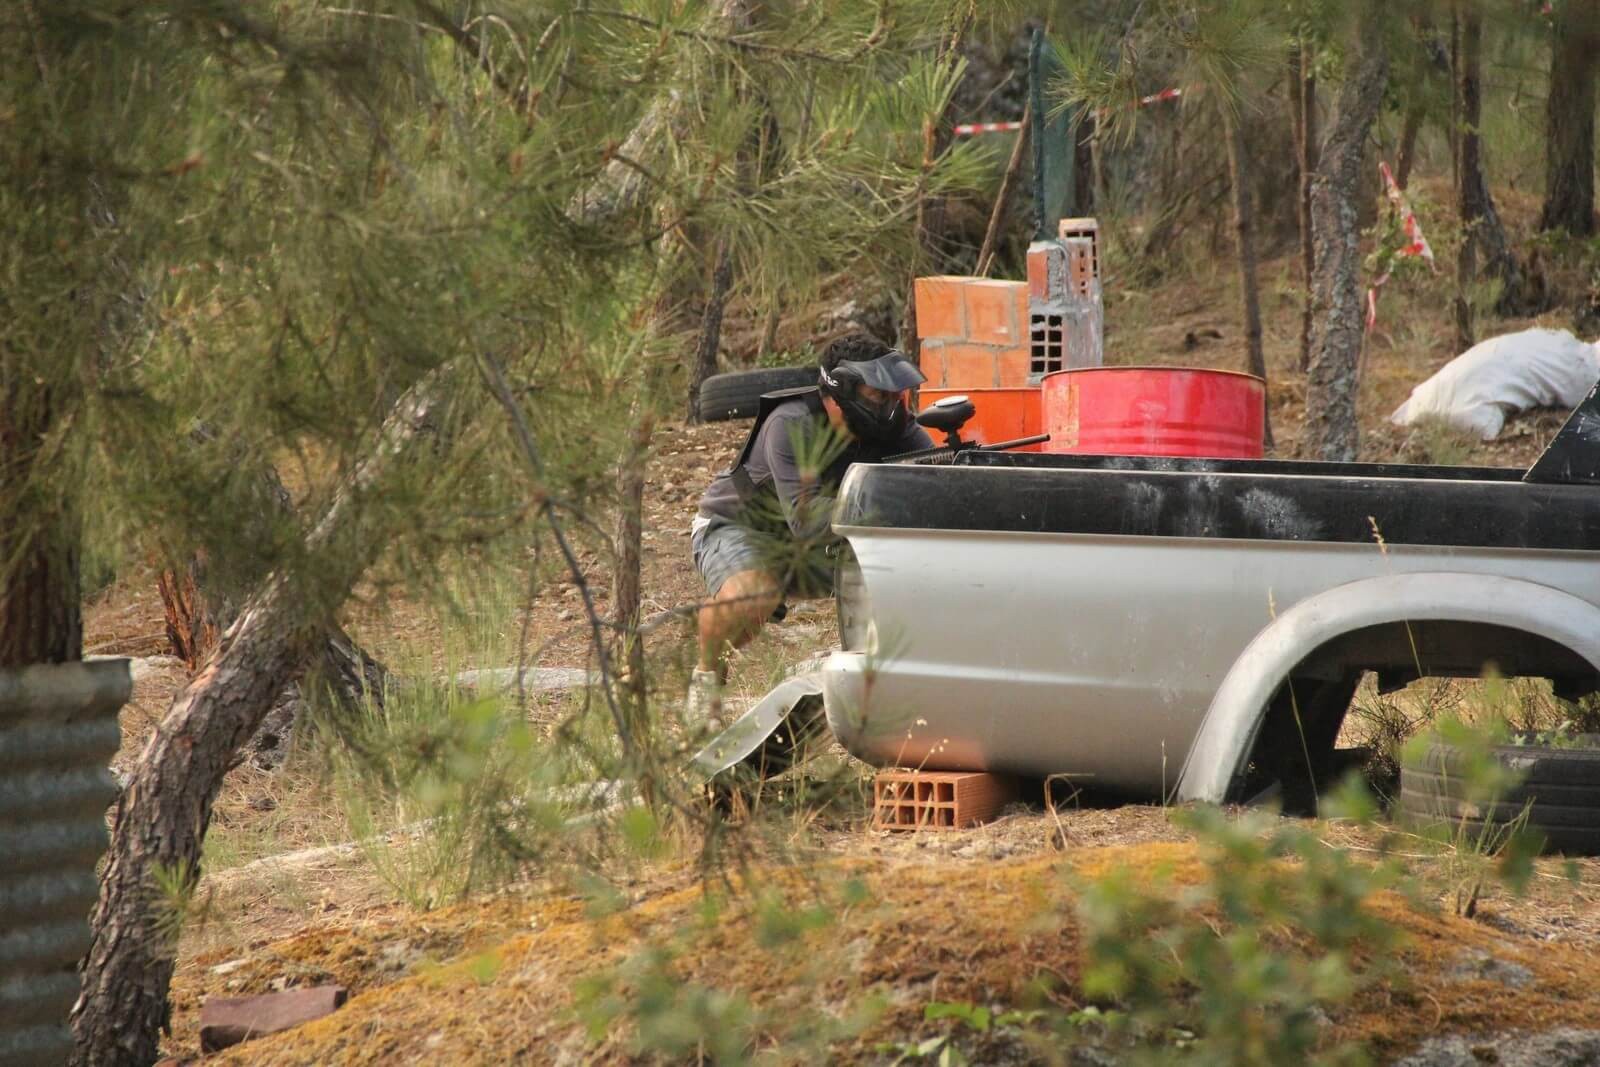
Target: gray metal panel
[(58, 732)]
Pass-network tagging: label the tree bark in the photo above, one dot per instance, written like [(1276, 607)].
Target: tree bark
[(1245, 247), (1455, 100), (41, 617), (199, 612), (1569, 120), (626, 584), (1408, 146), (929, 227), (160, 820), (1084, 167), (710, 339), (1306, 149), (1332, 430), (931, 210), (620, 185), (1002, 197), (1480, 222)]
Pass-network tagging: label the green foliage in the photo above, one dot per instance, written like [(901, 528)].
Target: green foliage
[(447, 796), (1436, 441), (647, 1003), (1478, 850), (944, 1049), (237, 238), (1237, 968), (178, 903)]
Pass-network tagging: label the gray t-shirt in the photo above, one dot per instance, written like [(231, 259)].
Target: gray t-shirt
[(796, 465)]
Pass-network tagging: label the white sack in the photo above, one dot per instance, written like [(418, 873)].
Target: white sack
[(1504, 375)]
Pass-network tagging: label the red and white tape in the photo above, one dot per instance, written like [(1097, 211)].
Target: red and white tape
[(1416, 244), (1156, 98), (970, 129)]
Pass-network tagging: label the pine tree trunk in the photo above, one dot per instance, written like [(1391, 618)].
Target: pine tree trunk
[(710, 338), (930, 224), (1084, 167), (1002, 197), (40, 616), (931, 210), (160, 820), (626, 583), (1480, 222), (198, 613), (1455, 100), (620, 185), (1306, 149), (1408, 146), (1245, 247), (40, 612), (1332, 429), (1569, 120)]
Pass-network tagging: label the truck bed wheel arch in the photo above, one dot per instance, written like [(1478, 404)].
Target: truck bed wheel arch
[(1223, 743)]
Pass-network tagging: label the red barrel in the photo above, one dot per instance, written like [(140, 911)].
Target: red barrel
[(1154, 411), (1001, 415)]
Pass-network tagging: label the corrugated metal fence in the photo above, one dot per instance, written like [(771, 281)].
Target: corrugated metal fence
[(58, 732)]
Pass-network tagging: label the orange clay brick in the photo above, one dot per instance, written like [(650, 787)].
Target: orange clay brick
[(1089, 229), (941, 312), (997, 311), (938, 800), (1014, 366), (930, 358), (1039, 255), (969, 366)]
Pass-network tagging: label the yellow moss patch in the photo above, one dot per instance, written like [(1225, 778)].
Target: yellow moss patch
[(953, 933)]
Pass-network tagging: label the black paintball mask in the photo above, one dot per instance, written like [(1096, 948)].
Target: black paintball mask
[(881, 421)]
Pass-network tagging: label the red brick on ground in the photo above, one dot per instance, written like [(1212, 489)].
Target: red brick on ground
[(227, 1021), (938, 800)]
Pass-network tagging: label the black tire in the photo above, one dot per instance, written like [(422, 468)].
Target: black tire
[(737, 395), (1560, 788)]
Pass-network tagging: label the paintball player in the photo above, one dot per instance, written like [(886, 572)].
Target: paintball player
[(762, 530)]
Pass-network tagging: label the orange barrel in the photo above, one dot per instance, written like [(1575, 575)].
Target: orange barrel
[(1154, 411), (1002, 414)]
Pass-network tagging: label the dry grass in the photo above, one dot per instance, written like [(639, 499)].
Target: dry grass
[(961, 930)]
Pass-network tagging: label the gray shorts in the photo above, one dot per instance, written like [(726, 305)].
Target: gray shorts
[(724, 549)]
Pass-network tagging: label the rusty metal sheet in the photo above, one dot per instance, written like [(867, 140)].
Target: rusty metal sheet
[(58, 732)]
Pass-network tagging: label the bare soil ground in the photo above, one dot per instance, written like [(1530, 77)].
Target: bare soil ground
[(422, 988)]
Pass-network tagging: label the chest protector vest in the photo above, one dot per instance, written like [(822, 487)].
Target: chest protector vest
[(743, 484)]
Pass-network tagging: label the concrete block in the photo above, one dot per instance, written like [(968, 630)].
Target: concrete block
[(930, 358), (228, 1021)]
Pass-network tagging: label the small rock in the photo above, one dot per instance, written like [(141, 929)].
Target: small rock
[(1477, 965), (398, 957), (1566, 1047), (227, 1021), (230, 966)]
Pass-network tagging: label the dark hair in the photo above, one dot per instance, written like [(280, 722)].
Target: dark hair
[(852, 348)]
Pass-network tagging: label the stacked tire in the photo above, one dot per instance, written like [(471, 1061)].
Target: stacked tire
[(1559, 786), (737, 395)]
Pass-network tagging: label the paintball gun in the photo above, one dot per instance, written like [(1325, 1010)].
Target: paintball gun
[(948, 415)]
